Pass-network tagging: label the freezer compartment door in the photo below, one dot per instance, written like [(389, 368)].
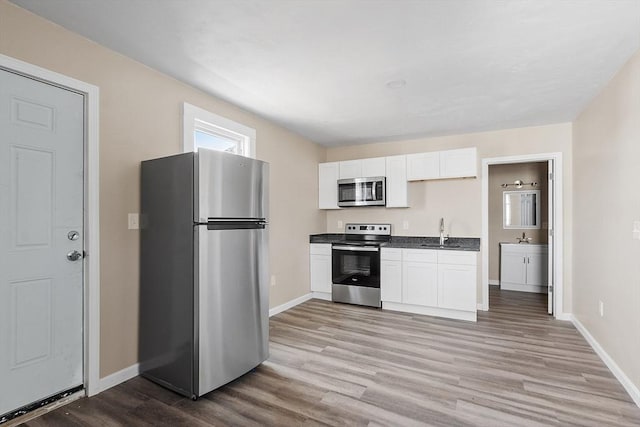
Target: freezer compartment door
[(230, 186), (233, 304)]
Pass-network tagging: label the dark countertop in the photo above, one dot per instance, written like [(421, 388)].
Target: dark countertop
[(409, 242)]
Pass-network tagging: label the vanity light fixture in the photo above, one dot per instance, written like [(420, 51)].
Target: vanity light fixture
[(519, 184)]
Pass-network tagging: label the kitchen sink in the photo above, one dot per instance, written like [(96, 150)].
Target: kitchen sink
[(435, 245)]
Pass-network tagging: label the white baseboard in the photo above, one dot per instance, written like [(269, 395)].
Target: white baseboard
[(134, 370), (287, 305), (564, 316), (631, 388), (494, 282), (321, 295), (119, 377)]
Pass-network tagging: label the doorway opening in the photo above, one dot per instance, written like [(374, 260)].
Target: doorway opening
[(522, 231), (518, 234)]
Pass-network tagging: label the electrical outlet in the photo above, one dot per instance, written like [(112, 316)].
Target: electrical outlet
[(340, 225), (601, 308), (636, 230), (405, 225), (134, 221), (273, 281)]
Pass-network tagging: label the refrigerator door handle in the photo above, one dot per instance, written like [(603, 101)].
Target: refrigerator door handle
[(236, 225)]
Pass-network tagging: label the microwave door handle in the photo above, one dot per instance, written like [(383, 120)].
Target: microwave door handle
[(373, 191)]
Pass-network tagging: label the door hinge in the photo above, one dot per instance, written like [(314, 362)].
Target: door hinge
[(551, 177), (550, 288), (551, 232)]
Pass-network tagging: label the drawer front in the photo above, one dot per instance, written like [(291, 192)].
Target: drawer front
[(457, 257), (320, 249), (419, 255), (391, 254)]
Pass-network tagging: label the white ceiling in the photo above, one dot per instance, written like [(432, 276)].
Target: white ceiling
[(321, 67)]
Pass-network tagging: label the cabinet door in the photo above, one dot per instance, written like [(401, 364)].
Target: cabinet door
[(391, 281), (396, 168), (423, 166), (458, 163), (537, 268), (373, 167), (320, 269), (420, 283), (328, 185), (457, 287), (513, 267), (351, 169)]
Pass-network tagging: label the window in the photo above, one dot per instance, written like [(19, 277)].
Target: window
[(207, 130)]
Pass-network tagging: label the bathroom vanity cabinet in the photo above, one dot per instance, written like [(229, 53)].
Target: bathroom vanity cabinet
[(524, 267)]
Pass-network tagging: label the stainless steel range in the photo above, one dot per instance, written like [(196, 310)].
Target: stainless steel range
[(356, 264)]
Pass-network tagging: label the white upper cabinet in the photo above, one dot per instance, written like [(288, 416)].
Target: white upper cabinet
[(458, 163), (374, 167), (350, 169), (328, 185), (362, 168), (442, 164), (396, 169), (423, 166)]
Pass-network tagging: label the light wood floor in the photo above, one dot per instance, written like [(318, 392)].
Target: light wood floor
[(335, 364)]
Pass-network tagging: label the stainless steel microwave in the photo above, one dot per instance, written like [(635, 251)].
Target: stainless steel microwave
[(362, 192)]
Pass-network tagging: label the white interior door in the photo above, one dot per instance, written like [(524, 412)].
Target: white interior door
[(41, 205), (550, 204)]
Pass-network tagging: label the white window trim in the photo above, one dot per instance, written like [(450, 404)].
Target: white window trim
[(191, 114)]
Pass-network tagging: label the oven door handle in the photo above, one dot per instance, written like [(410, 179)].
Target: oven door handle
[(356, 248)]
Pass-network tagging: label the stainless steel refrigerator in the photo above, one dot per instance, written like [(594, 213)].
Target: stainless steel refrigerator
[(204, 269)]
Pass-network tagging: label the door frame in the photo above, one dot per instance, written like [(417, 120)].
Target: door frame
[(558, 230), (91, 279)]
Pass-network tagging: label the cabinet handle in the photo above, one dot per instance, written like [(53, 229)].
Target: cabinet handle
[(524, 260), (528, 260)]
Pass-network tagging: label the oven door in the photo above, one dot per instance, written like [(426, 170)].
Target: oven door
[(356, 266), (361, 192), (356, 275)]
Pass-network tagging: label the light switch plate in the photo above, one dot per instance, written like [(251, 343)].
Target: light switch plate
[(636, 230), (340, 225), (134, 221)]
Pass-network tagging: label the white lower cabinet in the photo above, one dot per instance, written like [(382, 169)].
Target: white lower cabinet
[(431, 282), (457, 287), (391, 274), (420, 283), (320, 267), (524, 267)]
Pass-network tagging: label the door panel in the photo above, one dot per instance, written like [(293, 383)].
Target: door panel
[(513, 267), (420, 283), (457, 287), (233, 304), (41, 200), (231, 186)]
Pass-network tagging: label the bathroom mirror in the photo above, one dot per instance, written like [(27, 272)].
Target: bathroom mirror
[(521, 209)]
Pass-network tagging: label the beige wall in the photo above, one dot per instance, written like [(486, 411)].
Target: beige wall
[(606, 150), (507, 174), (459, 201), (140, 118)]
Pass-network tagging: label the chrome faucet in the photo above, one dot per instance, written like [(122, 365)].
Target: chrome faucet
[(442, 237)]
